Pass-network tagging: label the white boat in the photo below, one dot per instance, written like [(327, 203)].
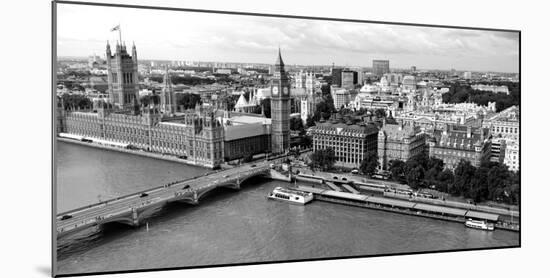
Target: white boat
[(289, 195), (479, 224)]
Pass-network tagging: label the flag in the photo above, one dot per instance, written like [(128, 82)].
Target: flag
[(115, 28)]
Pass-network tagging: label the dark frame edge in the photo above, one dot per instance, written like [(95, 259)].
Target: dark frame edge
[(53, 139)]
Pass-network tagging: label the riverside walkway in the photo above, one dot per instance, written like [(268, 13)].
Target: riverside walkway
[(133, 208)]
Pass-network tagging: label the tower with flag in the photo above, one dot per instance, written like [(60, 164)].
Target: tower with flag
[(122, 75)]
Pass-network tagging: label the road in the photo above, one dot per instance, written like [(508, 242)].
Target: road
[(110, 209)]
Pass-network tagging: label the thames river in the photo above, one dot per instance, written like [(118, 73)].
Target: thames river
[(230, 226)]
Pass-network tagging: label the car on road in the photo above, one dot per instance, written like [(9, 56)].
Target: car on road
[(186, 186), (225, 176), (66, 216), (143, 195), (253, 165)]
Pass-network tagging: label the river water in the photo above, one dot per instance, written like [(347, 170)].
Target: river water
[(231, 226)]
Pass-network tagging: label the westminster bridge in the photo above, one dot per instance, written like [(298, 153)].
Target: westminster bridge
[(132, 209)]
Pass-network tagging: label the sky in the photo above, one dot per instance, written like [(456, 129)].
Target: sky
[(177, 35)]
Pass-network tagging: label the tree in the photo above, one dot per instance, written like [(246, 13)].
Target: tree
[(380, 113), (324, 109), (188, 100), (149, 99), (497, 180), (445, 179), (323, 159), (296, 124), (479, 190), (309, 121), (306, 141), (415, 177), (75, 101), (369, 163), (397, 169), (459, 93), (434, 166), (462, 183)]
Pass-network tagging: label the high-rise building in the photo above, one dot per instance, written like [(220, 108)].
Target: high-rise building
[(413, 69), (280, 108), (467, 75), (122, 75), (380, 67), (167, 97), (348, 79), (336, 77)]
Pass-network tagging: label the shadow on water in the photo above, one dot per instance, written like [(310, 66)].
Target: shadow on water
[(99, 235)]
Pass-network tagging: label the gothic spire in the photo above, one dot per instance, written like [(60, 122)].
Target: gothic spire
[(167, 82), (279, 61)]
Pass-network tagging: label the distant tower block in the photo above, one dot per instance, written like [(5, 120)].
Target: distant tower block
[(122, 77), (167, 97), (280, 108)]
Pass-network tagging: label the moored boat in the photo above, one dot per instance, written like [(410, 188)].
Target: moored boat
[(290, 195), (479, 224)]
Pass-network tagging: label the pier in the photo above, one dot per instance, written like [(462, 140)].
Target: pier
[(406, 207)]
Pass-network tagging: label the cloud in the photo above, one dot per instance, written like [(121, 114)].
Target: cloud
[(203, 36)]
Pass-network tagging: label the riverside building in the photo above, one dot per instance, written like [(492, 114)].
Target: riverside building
[(399, 142), (203, 136), (350, 142), (458, 142)]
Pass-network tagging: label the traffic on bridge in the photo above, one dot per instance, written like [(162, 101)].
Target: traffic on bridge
[(132, 208)]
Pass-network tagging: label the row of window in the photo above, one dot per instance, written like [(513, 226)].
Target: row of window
[(504, 129)]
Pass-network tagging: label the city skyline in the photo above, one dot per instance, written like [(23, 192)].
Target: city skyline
[(169, 35)]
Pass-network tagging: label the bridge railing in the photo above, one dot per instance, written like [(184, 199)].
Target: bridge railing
[(127, 196), (107, 202)]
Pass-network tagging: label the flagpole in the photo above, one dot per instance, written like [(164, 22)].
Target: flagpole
[(119, 33)]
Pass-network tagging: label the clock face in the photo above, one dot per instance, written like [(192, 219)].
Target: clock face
[(285, 91), (275, 90)]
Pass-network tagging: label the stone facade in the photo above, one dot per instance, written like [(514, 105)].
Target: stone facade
[(280, 108), (458, 142), (122, 76), (399, 142), (350, 143), (195, 135)]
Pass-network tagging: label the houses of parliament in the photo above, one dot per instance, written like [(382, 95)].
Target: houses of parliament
[(204, 136)]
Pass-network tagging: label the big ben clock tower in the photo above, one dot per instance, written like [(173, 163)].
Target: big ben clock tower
[(280, 108)]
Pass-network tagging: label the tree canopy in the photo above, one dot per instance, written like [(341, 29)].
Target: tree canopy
[(459, 93), (188, 101), (369, 163), (323, 159)]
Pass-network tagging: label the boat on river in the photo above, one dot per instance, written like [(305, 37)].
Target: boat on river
[(290, 195)]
